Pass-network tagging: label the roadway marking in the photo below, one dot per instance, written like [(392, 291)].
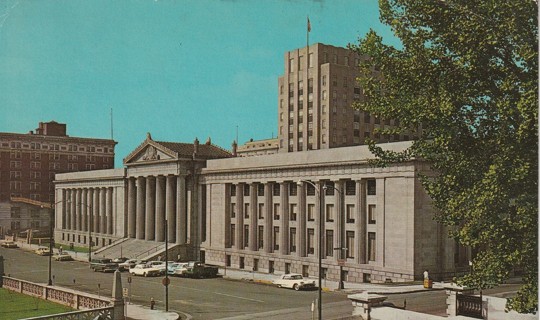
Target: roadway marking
[(229, 295)]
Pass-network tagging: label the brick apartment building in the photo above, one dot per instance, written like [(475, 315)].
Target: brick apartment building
[(28, 164)]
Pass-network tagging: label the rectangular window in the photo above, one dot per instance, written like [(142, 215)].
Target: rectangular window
[(246, 190), (350, 188), (371, 246), (276, 211), (291, 65), (329, 213), (292, 239), (15, 164), (260, 237), (372, 214), (73, 166), (330, 188), (246, 236), (276, 189), (15, 175), (311, 241), (260, 189), (293, 189), (15, 212), (350, 244), (233, 235), (246, 210), (311, 212), (350, 213), (310, 60), (35, 186), (371, 187), (233, 190), (329, 243), (233, 210), (292, 212), (276, 238), (15, 155), (261, 210), (88, 166), (15, 185)]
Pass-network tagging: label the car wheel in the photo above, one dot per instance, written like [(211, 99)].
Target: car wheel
[(144, 274), (296, 287), (279, 286)]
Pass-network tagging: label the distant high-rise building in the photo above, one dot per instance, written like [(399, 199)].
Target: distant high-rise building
[(29, 162), (315, 98)]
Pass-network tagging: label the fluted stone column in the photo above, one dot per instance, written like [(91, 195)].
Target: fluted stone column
[(301, 222), (109, 201), (339, 236), (253, 217), (160, 208), (95, 223), (268, 217), (73, 209), (240, 216), (150, 208), (67, 203), (89, 199), (181, 210), (84, 209), (103, 210), (141, 204), (361, 217), (170, 207), (284, 228), (64, 209), (78, 214), (132, 208)]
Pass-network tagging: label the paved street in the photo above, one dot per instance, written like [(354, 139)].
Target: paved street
[(197, 298)]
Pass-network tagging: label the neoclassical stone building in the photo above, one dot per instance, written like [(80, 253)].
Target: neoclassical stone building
[(262, 213)]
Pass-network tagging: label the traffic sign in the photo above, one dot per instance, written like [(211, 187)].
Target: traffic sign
[(341, 262), (166, 281), (125, 292)]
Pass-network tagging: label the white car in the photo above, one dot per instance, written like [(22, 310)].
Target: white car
[(144, 270), (294, 281), (178, 269)]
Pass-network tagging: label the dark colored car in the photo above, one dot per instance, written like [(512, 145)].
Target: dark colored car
[(103, 265)]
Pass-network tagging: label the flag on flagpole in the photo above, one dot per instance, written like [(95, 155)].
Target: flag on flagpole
[(308, 25)]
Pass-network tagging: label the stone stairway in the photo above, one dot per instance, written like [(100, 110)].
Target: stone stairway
[(133, 249)]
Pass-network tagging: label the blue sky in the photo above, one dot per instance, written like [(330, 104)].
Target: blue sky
[(177, 69)]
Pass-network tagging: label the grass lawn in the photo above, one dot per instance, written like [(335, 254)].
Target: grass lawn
[(18, 306)]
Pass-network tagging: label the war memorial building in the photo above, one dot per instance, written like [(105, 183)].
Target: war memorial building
[(258, 207)]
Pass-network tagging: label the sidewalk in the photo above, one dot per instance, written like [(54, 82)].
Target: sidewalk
[(328, 285)]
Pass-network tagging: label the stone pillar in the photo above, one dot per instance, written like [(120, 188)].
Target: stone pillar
[(170, 208), (132, 207), (103, 210), (301, 222), (319, 207), (339, 237), (110, 219), (64, 205), (240, 216), (253, 217), (452, 291), (160, 208), (284, 228), (78, 214), (84, 210), (150, 224), (117, 297), (66, 210), (363, 302), (73, 209), (89, 198), (95, 226), (268, 217), (361, 217), (141, 204), (181, 210)]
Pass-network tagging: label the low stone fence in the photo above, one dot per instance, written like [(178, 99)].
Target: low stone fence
[(74, 299)]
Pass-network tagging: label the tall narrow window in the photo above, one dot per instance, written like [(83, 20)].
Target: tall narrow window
[(311, 212), (292, 240), (233, 210), (372, 214), (233, 235), (246, 236), (246, 210), (310, 241), (260, 237), (371, 187), (329, 213), (261, 210), (350, 213), (329, 243), (350, 244), (292, 212), (276, 238), (276, 211), (371, 246)]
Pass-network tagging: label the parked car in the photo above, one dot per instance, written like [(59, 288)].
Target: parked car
[(198, 269), (128, 264), (103, 265), (294, 281), (177, 269), (144, 270), (62, 257), (119, 260), (9, 244), (159, 265), (43, 251)]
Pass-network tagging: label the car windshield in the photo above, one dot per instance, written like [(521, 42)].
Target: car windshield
[(296, 277)]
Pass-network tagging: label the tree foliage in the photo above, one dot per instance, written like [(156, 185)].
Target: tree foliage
[(467, 75)]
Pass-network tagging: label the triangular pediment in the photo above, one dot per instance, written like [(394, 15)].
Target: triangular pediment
[(150, 151)]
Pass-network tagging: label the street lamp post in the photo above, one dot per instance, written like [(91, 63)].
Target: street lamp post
[(341, 248), (321, 226), (51, 241)]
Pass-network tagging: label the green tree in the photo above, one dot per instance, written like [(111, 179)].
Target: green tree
[(466, 73)]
